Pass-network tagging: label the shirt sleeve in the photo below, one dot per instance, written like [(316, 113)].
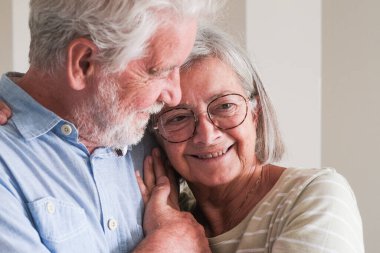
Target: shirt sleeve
[(323, 218)]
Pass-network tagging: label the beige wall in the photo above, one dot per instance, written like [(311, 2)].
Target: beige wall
[(15, 38), (233, 20), (284, 39), (6, 47), (21, 35), (351, 104)]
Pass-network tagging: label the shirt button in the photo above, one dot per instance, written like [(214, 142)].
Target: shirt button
[(66, 129), (112, 224), (50, 207)]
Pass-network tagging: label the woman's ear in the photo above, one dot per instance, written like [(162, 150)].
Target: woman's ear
[(80, 62), (255, 108)]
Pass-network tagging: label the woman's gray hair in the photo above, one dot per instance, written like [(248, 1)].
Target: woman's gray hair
[(119, 28), (212, 42)]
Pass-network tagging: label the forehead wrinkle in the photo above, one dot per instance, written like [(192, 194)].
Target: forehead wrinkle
[(160, 48)]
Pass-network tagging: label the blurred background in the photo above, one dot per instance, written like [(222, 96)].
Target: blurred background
[(320, 62)]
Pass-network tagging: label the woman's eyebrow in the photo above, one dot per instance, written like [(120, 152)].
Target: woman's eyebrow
[(208, 100), (183, 105)]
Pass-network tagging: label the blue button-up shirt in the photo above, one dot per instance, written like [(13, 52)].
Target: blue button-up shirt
[(54, 195)]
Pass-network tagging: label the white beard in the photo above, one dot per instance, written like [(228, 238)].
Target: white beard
[(102, 122)]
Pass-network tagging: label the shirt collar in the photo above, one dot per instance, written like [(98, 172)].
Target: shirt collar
[(30, 118)]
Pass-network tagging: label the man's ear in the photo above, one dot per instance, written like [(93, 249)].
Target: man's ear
[(80, 62)]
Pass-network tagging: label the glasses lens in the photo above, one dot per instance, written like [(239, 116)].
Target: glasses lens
[(228, 111), (176, 125)]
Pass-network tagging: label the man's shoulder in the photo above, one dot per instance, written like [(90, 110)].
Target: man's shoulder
[(9, 135)]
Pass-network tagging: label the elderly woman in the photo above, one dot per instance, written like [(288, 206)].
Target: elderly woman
[(222, 139)]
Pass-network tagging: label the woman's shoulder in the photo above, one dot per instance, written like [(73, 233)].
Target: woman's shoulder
[(318, 183), (301, 177), (293, 172), (308, 209)]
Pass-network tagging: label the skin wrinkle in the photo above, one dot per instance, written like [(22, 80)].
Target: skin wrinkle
[(139, 94)]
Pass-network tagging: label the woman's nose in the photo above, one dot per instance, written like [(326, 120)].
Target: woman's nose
[(206, 132)]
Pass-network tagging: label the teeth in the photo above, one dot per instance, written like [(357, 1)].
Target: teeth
[(212, 155)]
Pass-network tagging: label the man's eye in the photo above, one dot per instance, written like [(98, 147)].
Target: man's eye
[(160, 73), (153, 71)]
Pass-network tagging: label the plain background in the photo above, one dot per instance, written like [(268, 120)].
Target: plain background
[(320, 62)]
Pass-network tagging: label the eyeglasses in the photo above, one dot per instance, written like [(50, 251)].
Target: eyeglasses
[(178, 124)]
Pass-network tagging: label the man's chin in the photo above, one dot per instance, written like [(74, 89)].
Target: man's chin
[(143, 117), (134, 140), (125, 137)]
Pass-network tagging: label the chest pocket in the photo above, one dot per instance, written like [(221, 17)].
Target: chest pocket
[(62, 226)]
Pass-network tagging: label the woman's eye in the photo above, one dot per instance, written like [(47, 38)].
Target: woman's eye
[(226, 106), (224, 109), (177, 119)]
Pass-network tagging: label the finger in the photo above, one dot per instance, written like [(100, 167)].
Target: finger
[(3, 119), (172, 177), (149, 176), (4, 109), (161, 170), (158, 166), (160, 193), (143, 189), (174, 188)]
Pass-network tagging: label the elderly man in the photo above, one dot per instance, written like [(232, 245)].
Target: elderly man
[(98, 69)]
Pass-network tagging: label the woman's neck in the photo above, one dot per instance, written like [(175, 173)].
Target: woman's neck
[(221, 208)]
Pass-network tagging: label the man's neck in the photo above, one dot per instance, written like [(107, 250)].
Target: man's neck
[(50, 92), (53, 93)]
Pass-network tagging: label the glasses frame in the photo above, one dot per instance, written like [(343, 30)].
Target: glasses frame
[(196, 120)]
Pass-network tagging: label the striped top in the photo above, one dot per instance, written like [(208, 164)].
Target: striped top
[(308, 210)]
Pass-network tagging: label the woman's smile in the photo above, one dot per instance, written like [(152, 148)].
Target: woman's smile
[(212, 154)]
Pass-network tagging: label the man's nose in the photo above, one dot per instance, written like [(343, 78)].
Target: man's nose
[(171, 94)]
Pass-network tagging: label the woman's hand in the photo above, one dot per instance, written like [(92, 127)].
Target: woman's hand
[(5, 113), (154, 172), (166, 228)]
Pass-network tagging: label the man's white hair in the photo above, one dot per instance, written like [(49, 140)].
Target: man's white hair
[(119, 28)]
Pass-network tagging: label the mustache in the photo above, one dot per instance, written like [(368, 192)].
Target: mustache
[(155, 108)]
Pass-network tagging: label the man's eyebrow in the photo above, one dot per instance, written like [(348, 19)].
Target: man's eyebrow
[(158, 70)]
